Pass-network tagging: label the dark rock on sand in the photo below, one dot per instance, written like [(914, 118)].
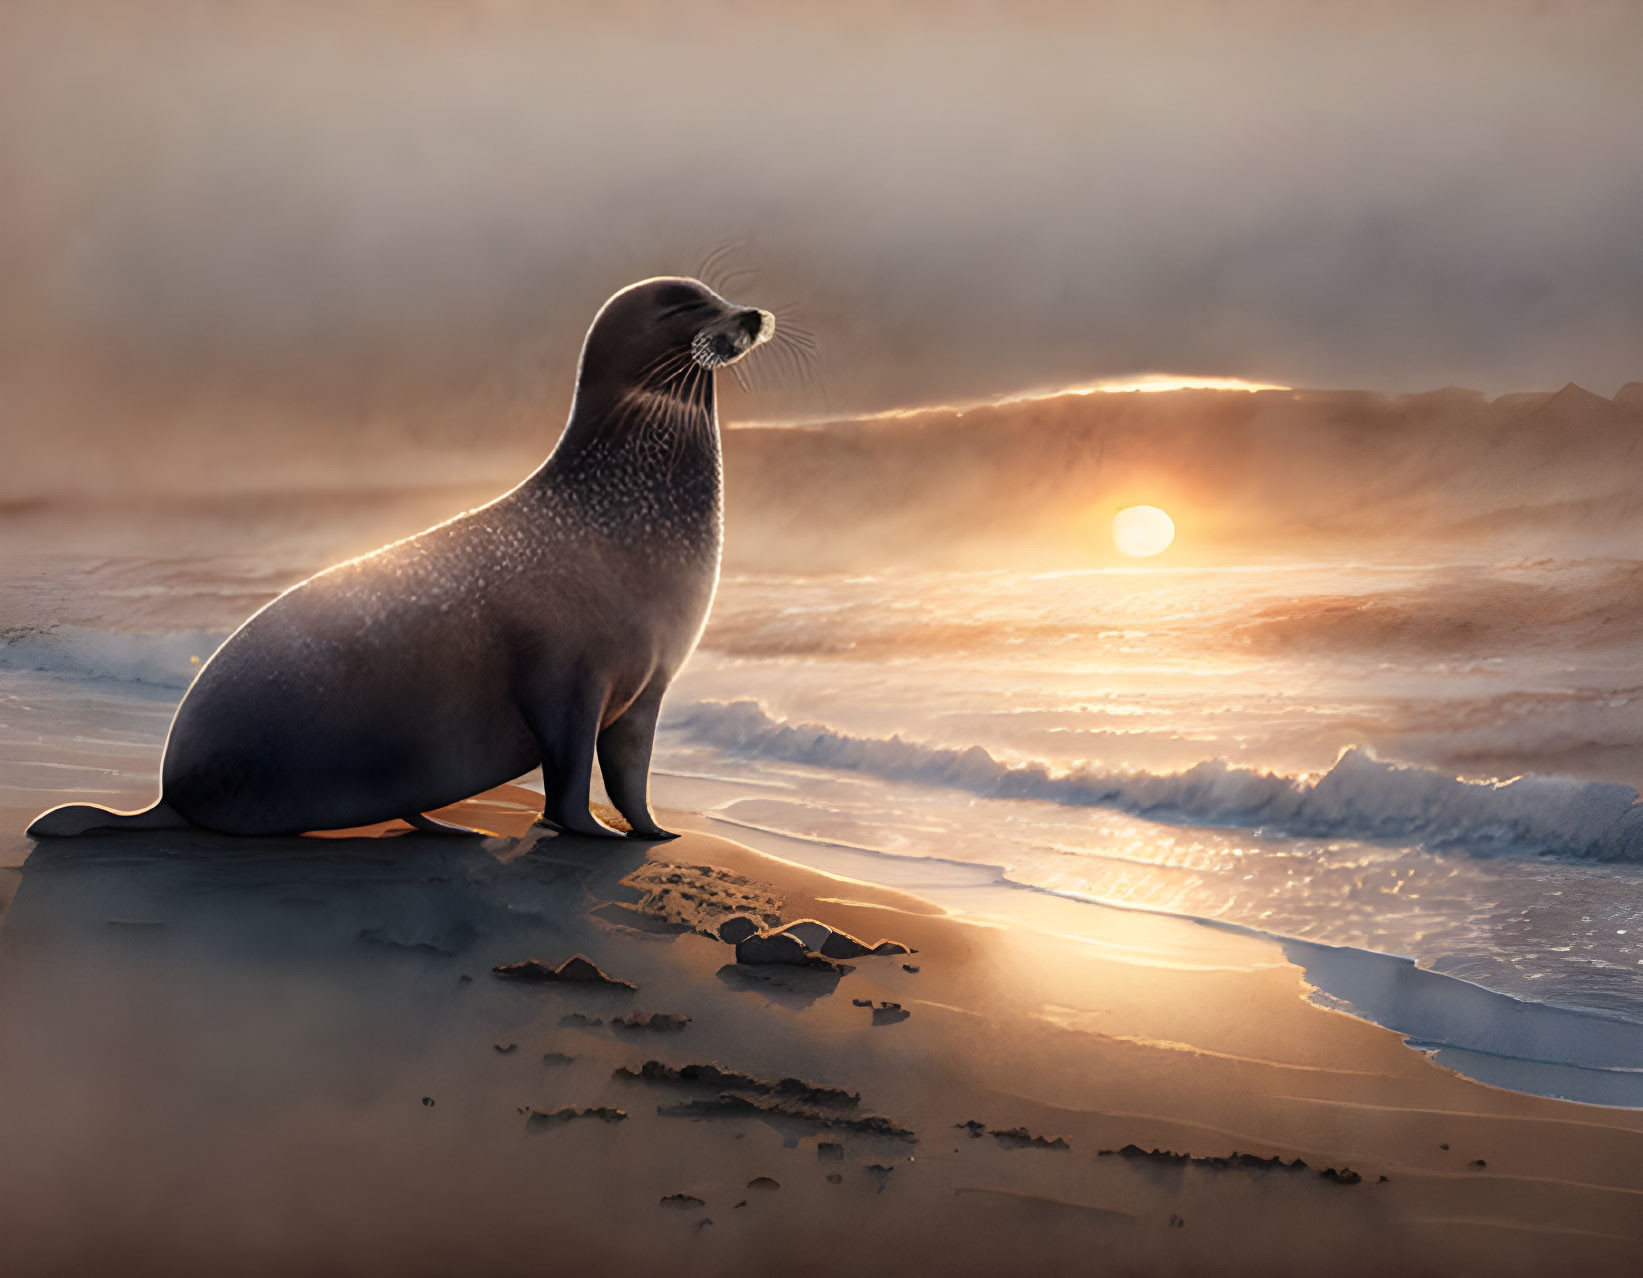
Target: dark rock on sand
[(682, 1202), (728, 1105), (835, 1178), (737, 928), (909, 967), (764, 1183), (889, 1014), (861, 1002), (540, 1119), (831, 942), (1021, 1138), (1477, 1164), (810, 933), (716, 1076), (1251, 1162), (665, 1021), (576, 970), (502, 1049), (428, 1101), (779, 948)]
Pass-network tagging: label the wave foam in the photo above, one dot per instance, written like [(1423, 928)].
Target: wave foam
[(1361, 797)]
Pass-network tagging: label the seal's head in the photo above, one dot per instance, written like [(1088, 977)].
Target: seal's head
[(654, 331)]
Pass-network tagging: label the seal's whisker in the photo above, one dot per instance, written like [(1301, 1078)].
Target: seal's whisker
[(716, 261)]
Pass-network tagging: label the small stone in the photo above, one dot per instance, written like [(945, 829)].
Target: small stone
[(737, 928), (502, 1049), (1477, 1164), (537, 1119), (428, 1101), (765, 1183), (909, 967), (809, 933), (666, 1021), (861, 1002), (841, 945), (779, 950), (682, 1202), (576, 970), (834, 1178)]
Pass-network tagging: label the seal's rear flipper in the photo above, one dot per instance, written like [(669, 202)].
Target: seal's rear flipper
[(429, 825), (87, 818)]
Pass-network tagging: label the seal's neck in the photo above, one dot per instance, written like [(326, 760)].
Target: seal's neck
[(643, 465)]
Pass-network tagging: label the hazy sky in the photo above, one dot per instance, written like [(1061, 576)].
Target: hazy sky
[(335, 201)]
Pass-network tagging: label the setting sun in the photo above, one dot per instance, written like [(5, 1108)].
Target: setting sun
[(1139, 531)]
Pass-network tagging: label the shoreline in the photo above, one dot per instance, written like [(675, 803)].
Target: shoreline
[(1074, 1032)]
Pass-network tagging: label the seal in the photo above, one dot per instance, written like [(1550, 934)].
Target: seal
[(541, 629)]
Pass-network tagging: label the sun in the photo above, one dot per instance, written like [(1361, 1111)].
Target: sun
[(1139, 531)]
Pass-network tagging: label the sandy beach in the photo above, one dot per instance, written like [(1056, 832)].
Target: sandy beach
[(288, 1056)]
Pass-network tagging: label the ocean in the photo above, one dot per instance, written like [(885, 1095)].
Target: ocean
[(1399, 760)]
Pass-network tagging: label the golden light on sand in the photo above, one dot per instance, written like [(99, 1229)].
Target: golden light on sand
[(1139, 531)]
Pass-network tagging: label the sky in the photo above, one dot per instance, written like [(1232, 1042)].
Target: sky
[(350, 208)]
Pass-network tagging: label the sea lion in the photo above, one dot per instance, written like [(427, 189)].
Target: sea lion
[(543, 628)]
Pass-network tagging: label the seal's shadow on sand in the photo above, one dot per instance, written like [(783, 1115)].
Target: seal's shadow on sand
[(318, 955)]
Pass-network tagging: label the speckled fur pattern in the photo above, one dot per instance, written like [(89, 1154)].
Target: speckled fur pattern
[(542, 628)]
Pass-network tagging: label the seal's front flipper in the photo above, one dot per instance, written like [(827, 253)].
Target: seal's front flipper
[(429, 825), (564, 719), (624, 762)]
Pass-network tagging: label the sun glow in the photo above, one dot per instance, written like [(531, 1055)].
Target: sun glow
[(1139, 531), (1173, 382)]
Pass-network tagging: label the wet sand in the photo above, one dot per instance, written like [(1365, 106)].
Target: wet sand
[(280, 1056)]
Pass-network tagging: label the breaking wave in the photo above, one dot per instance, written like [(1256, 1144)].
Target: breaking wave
[(1360, 797)]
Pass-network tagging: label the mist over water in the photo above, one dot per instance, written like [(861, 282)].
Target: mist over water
[(287, 243)]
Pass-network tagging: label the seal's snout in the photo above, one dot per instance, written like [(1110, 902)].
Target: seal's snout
[(727, 340)]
